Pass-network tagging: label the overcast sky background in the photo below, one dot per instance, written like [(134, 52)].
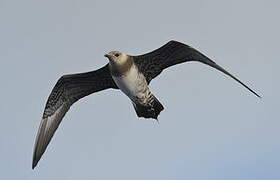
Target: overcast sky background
[(212, 128)]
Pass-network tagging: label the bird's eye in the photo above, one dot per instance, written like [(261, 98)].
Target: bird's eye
[(117, 54)]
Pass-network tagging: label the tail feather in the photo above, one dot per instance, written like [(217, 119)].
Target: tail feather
[(150, 110)]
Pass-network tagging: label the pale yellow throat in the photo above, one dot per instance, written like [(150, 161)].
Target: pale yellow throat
[(122, 66)]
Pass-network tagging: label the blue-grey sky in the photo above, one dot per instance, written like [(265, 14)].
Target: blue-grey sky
[(212, 128)]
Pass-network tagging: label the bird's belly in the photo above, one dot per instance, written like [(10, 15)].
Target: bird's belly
[(133, 84)]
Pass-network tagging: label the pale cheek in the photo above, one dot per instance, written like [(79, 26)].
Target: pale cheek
[(120, 61), (123, 58)]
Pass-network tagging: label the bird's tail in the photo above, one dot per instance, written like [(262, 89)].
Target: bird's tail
[(149, 110)]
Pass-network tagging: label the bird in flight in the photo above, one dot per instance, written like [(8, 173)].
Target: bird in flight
[(130, 74)]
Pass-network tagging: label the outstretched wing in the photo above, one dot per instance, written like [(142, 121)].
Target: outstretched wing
[(68, 89), (153, 63)]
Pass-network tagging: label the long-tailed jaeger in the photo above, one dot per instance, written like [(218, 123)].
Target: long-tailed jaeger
[(130, 74)]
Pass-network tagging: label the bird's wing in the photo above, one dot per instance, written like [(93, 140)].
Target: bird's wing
[(172, 53), (68, 89)]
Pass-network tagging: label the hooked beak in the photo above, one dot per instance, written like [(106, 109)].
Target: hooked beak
[(108, 56)]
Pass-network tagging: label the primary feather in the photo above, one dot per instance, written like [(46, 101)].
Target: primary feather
[(68, 90)]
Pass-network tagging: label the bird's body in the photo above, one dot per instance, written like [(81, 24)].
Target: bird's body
[(134, 84), (130, 74)]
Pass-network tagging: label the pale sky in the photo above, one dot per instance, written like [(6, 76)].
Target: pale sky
[(212, 128)]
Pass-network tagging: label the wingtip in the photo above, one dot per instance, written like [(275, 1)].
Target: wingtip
[(35, 160), (255, 93), (34, 163)]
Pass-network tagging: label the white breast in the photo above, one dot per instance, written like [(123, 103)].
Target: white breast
[(133, 83)]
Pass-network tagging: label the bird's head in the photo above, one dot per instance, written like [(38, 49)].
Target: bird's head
[(119, 62), (116, 57)]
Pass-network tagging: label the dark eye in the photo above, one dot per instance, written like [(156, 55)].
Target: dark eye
[(117, 54)]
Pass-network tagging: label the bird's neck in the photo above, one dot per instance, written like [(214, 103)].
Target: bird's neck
[(120, 68)]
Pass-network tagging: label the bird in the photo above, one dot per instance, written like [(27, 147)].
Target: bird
[(130, 74)]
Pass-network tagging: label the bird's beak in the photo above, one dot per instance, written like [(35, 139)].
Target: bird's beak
[(108, 56)]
